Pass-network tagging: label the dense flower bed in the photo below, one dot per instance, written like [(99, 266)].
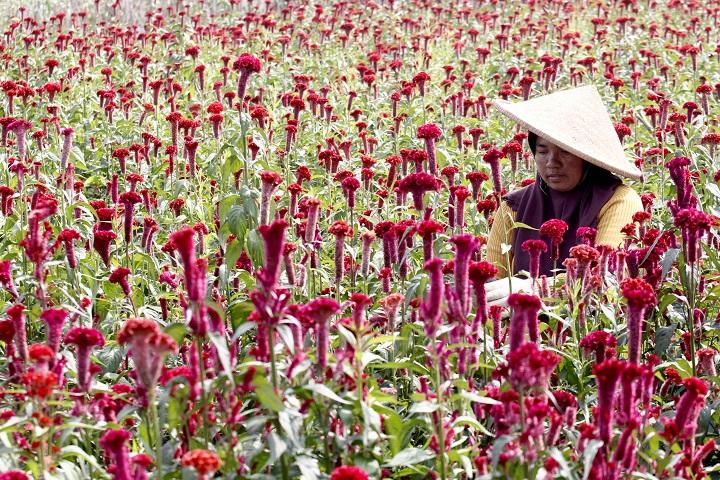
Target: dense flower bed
[(247, 241)]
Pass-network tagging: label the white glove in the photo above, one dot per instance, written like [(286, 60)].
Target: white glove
[(498, 291)]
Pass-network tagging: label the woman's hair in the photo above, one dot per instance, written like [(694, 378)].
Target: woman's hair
[(532, 141)]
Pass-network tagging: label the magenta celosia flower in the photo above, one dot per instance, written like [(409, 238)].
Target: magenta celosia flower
[(14, 475), (525, 309), (418, 184), (55, 319), (346, 472), (640, 296), (20, 128), (129, 199), (492, 157), (680, 175), (18, 320), (114, 443), (535, 248), (431, 306), (246, 65), (391, 306), (530, 367), (184, 243), (687, 410), (554, 229), (312, 220), (67, 134), (367, 239), (319, 312), (693, 225), (465, 246), (341, 230), (427, 229), (269, 182), (66, 237), (430, 133), (607, 375), (148, 347), (102, 240), (706, 361), (274, 239), (84, 339), (120, 277), (598, 343), (6, 278)]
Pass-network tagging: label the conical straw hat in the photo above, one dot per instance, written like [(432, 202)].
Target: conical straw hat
[(575, 120)]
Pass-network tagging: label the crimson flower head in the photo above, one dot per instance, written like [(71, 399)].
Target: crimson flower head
[(554, 229), (429, 131), (346, 472), (248, 63), (119, 276), (530, 367), (638, 293), (85, 337), (203, 461), (482, 272), (417, 184), (340, 229), (598, 342)]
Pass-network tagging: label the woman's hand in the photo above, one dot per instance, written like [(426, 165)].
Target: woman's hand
[(497, 292)]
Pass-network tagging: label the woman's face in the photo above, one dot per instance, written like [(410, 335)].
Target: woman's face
[(561, 170)]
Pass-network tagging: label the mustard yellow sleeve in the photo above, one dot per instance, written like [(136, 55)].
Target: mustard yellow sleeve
[(500, 232), (615, 214)]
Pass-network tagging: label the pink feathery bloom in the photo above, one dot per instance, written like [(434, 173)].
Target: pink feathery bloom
[(530, 367), (246, 65), (102, 240), (693, 225), (585, 256), (391, 306), (184, 242), (461, 195), (706, 361), (367, 239), (465, 246), (55, 319), (349, 187), (418, 184), (347, 472), (202, 230), (598, 342), (700, 454), (150, 228), (427, 229), (14, 475), (640, 296), (20, 128), (492, 157), (607, 375), (554, 229), (480, 273), (430, 307), (67, 134), (203, 461), (587, 235), (535, 248), (120, 276), (6, 278), (687, 410), (319, 312), (18, 321), (66, 237), (129, 199), (84, 339), (191, 146), (148, 347), (360, 302), (114, 442), (525, 309), (680, 175), (430, 133), (269, 182), (476, 179), (274, 240), (312, 220), (419, 79), (341, 230)]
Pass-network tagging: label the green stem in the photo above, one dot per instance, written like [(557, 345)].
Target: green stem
[(439, 426), (203, 398), (155, 419)]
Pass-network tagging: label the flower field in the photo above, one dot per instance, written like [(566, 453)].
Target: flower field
[(248, 240)]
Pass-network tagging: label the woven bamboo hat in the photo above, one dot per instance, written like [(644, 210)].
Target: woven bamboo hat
[(575, 120)]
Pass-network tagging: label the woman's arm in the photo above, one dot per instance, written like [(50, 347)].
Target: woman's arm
[(500, 232), (615, 214)]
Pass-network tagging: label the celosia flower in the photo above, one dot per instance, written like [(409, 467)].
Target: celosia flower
[(246, 64), (84, 339), (274, 239), (554, 229), (693, 225), (203, 461), (114, 443), (427, 229), (430, 133), (706, 363), (465, 246), (40, 384), (270, 181), (120, 277), (687, 410), (492, 157), (148, 346), (525, 309), (535, 248), (341, 230), (607, 375), (530, 367), (18, 320), (55, 319), (598, 342), (346, 472), (319, 312), (66, 237), (102, 240), (6, 278), (640, 296), (418, 184), (129, 199), (480, 273), (14, 475)]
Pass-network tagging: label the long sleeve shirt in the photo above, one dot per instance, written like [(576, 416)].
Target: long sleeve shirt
[(613, 216)]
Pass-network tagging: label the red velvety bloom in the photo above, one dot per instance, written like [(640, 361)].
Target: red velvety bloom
[(248, 63), (598, 342), (40, 384), (554, 229), (429, 131), (638, 292), (524, 314), (203, 461), (14, 475), (531, 367), (347, 472)]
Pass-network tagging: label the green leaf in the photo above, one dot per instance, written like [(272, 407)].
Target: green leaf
[(255, 248), (177, 331), (668, 259), (410, 456), (424, 407), (663, 336), (265, 394), (220, 344), (323, 390)]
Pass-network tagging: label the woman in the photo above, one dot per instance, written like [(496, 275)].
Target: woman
[(577, 153)]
